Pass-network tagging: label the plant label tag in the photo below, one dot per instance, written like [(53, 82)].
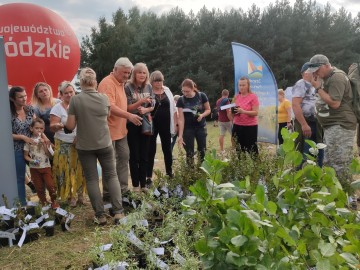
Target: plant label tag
[(8, 212), (49, 223), (158, 251), (159, 263), (5, 217), (106, 247), (178, 258), (107, 206), (61, 211), (45, 208), (165, 189), (22, 238), (156, 192), (28, 217), (30, 203), (134, 240), (30, 226), (228, 106), (122, 266), (144, 223), (7, 235), (105, 267), (284, 210), (133, 204), (40, 219), (124, 199)]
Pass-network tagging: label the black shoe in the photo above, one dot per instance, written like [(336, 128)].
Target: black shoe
[(32, 187), (149, 183)]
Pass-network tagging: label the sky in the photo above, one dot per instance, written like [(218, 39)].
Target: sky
[(82, 15)]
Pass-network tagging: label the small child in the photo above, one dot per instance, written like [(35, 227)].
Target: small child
[(39, 162)]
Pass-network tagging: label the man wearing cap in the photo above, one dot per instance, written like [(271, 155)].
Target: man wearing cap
[(334, 112), (303, 105)]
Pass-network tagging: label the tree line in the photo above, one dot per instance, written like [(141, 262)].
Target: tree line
[(198, 46)]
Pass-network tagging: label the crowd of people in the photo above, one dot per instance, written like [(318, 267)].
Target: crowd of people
[(63, 139)]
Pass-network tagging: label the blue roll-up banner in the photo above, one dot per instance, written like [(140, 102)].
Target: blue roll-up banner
[(249, 63)]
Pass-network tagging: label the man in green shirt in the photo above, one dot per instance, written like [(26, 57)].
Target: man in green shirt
[(335, 114)]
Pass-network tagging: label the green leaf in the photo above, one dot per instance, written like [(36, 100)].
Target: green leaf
[(189, 201), (202, 247), (226, 185), (327, 249), (311, 143), (293, 157), (288, 145), (350, 258), (260, 194), (235, 259), (323, 264), (276, 181), (226, 235), (239, 240), (285, 236), (271, 208), (355, 184)]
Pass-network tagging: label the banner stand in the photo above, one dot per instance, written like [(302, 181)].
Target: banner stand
[(8, 183)]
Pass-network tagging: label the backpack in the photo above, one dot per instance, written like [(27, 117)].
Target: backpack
[(354, 77)]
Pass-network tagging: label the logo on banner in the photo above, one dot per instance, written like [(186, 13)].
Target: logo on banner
[(40, 46), (255, 70)]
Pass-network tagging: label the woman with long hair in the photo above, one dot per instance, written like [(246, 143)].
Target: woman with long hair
[(245, 126), (42, 100), (193, 107), (139, 95), (22, 116), (67, 169), (164, 120)]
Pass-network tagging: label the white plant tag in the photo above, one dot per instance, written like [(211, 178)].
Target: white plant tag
[(156, 192), (61, 211), (105, 247), (158, 251)]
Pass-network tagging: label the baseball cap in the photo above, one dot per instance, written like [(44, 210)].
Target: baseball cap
[(316, 62), (305, 67)]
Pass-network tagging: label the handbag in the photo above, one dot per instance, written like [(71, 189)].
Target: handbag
[(147, 127)]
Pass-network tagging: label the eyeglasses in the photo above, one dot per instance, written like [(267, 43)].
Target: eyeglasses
[(158, 80)]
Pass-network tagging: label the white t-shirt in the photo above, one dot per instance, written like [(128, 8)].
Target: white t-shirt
[(59, 111)]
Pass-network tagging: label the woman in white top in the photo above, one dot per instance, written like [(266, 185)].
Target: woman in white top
[(67, 170)]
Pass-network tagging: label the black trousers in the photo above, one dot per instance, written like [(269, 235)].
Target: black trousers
[(139, 151), (163, 129), (190, 135), (280, 138), (246, 138)]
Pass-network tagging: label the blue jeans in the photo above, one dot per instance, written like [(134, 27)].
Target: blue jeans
[(20, 176), (316, 136)]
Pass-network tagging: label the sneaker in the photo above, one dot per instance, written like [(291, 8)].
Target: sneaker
[(55, 205), (136, 189), (117, 218), (80, 200), (101, 221), (144, 190)]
